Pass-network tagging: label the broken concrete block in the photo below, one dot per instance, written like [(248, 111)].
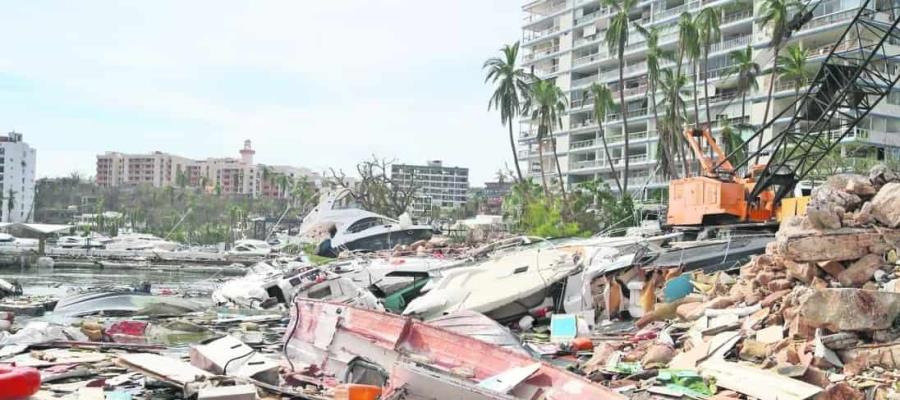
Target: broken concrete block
[(824, 217), (840, 245), (860, 271), (886, 205), (690, 311), (832, 268), (881, 174), (780, 284), (720, 302), (862, 358), (803, 272), (816, 376), (771, 334), (840, 391), (774, 297), (850, 309)]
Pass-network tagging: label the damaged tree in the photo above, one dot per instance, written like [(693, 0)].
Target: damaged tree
[(376, 190)]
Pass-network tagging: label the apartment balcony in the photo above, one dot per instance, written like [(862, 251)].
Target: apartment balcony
[(591, 58), (736, 16), (611, 140), (547, 11), (764, 37), (584, 103), (603, 163), (544, 72), (730, 44), (537, 54), (584, 81), (537, 35)]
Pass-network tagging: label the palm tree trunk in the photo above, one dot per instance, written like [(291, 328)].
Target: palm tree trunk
[(562, 185), (684, 162), (759, 141), (624, 107), (541, 163), (612, 165), (662, 141), (696, 96), (696, 111), (512, 146), (706, 85)]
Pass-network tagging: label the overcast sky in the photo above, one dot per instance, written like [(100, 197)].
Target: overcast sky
[(312, 83)]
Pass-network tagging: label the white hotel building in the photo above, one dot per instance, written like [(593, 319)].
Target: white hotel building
[(564, 40), (17, 168)]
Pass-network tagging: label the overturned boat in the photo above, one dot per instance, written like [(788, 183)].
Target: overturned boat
[(502, 287), (417, 360), (266, 286)]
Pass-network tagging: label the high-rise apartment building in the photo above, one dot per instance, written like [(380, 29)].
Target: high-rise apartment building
[(225, 175), (444, 187), (564, 40), (17, 167)]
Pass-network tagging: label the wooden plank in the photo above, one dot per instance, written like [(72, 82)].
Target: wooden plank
[(756, 382)]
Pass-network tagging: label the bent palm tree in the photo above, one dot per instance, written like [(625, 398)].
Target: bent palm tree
[(510, 83), (616, 40), (603, 102), (792, 67), (655, 56), (547, 104), (707, 23)]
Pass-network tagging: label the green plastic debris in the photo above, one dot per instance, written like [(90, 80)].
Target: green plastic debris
[(687, 382)]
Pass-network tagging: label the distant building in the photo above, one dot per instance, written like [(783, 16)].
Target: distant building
[(494, 193), (223, 175), (17, 164), (447, 187)]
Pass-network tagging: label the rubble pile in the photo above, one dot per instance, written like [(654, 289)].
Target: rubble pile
[(816, 315)]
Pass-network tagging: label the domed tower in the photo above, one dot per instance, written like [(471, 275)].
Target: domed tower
[(247, 153)]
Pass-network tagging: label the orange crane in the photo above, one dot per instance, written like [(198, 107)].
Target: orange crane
[(850, 83), (717, 196)]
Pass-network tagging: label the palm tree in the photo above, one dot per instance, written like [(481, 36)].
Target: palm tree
[(284, 182), (707, 23), (776, 14), (746, 70), (603, 102), (672, 86), (616, 40), (511, 85), (547, 103), (792, 67), (732, 140), (688, 45), (655, 56)]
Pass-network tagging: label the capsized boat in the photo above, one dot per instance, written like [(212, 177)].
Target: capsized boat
[(502, 287), (124, 304)]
